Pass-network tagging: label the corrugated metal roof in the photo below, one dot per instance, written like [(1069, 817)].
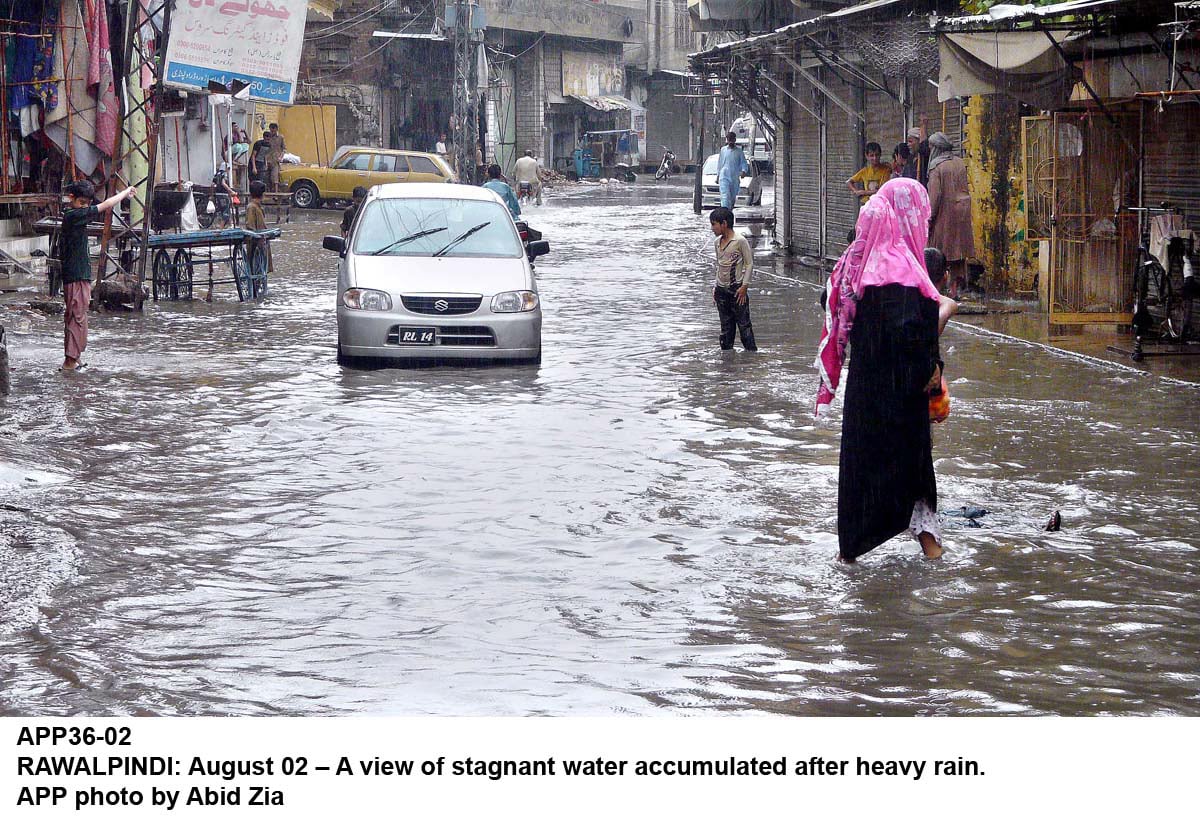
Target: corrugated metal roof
[(1005, 13), (809, 26)]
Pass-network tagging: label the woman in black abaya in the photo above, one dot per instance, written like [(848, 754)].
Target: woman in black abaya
[(882, 305)]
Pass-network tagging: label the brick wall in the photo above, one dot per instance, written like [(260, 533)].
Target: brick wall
[(529, 73), (343, 65)]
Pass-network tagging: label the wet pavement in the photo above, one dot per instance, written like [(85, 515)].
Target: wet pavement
[(216, 518)]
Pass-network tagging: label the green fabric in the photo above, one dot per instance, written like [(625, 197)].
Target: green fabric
[(73, 244)]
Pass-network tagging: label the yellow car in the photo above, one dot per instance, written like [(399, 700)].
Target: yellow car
[(310, 184)]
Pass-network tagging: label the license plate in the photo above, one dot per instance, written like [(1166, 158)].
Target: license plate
[(416, 335)]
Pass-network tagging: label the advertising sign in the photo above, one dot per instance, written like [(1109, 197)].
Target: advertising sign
[(588, 74), (255, 41)]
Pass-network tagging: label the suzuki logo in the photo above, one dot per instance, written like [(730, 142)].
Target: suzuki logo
[(441, 305)]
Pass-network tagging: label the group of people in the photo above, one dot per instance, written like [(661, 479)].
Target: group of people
[(934, 164), (258, 163)]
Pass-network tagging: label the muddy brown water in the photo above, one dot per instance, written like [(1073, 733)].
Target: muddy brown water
[(219, 519)]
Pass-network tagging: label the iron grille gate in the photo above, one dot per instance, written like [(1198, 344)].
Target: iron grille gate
[(1080, 168)]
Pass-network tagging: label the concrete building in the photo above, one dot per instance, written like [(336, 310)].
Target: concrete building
[(551, 70), (344, 67), (659, 81)]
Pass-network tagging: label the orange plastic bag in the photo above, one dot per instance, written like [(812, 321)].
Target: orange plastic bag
[(939, 404)]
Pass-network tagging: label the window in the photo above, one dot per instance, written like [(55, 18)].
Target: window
[(423, 164), (684, 39), (355, 162), (422, 227), (333, 55), (390, 163)]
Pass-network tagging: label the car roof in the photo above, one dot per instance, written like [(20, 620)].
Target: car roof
[(431, 190), (359, 149)]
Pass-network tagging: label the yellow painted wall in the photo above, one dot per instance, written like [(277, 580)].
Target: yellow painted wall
[(992, 147), (309, 131)]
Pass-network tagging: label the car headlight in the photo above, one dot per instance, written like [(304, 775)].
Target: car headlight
[(515, 301), (357, 298)]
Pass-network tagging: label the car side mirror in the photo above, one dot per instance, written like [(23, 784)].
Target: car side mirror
[(538, 249), (335, 243)]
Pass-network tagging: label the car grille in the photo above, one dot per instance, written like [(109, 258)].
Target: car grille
[(457, 336), (454, 336), (441, 305)]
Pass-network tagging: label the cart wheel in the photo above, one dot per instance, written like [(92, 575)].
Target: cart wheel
[(182, 271), (241, 273), (161, 276), (258, 271)]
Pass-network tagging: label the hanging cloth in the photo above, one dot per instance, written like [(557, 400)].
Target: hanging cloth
[(100, 76)]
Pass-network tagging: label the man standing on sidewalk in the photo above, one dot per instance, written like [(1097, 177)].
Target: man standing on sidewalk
[(77, 266), (731, 167), (274, 155)]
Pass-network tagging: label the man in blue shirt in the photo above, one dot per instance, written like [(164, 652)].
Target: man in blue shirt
[(499, 187), (731, 167)]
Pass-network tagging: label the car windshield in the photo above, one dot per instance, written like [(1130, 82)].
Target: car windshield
[(710, 165), (442, 227)]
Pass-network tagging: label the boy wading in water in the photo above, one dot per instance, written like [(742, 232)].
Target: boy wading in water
[(77, 266), (734, 263), (257, 220)]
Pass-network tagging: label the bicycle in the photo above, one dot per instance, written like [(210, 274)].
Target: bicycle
[(1161, 308)]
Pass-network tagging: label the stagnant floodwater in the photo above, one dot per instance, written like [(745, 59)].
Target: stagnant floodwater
[(224, 521)]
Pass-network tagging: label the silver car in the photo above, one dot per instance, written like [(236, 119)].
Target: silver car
[(436, 272), (749, 192)]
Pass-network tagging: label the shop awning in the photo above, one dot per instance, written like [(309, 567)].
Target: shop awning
[(607, 103), (724, 15), (1023, 64), (1005, 13), (325, 8)]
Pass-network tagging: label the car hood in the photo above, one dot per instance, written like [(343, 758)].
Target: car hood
[(444, 275), (710, 181)]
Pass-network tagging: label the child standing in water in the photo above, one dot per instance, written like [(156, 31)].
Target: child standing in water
[(735, 261)]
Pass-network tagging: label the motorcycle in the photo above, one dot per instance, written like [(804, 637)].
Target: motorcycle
[(666, 166), (529, 236), (524, 192)]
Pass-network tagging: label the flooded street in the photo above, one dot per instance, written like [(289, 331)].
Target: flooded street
[(217, 518)]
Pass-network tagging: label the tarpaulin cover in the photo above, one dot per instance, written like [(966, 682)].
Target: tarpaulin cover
[(1022, 64)]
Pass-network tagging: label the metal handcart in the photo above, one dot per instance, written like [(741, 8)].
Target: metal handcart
[(176, 257)]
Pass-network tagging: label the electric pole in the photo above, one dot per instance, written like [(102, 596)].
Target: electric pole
[(466, 91)]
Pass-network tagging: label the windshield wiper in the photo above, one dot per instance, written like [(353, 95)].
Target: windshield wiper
[(409, 238), (461, 237)]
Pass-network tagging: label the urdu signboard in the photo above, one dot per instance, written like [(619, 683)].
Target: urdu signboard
[(255, 41)]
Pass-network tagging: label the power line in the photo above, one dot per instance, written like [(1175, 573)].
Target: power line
[(337, 28)]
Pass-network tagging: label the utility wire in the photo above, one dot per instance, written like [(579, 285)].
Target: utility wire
[(334, 29)]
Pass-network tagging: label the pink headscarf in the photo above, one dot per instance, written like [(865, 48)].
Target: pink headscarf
[(889, 248)]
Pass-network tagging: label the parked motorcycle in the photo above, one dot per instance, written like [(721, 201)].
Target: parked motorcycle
[(667, 166)]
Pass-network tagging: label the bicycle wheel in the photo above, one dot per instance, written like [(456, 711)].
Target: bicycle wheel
[(1171, 306), (1179, 314)]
